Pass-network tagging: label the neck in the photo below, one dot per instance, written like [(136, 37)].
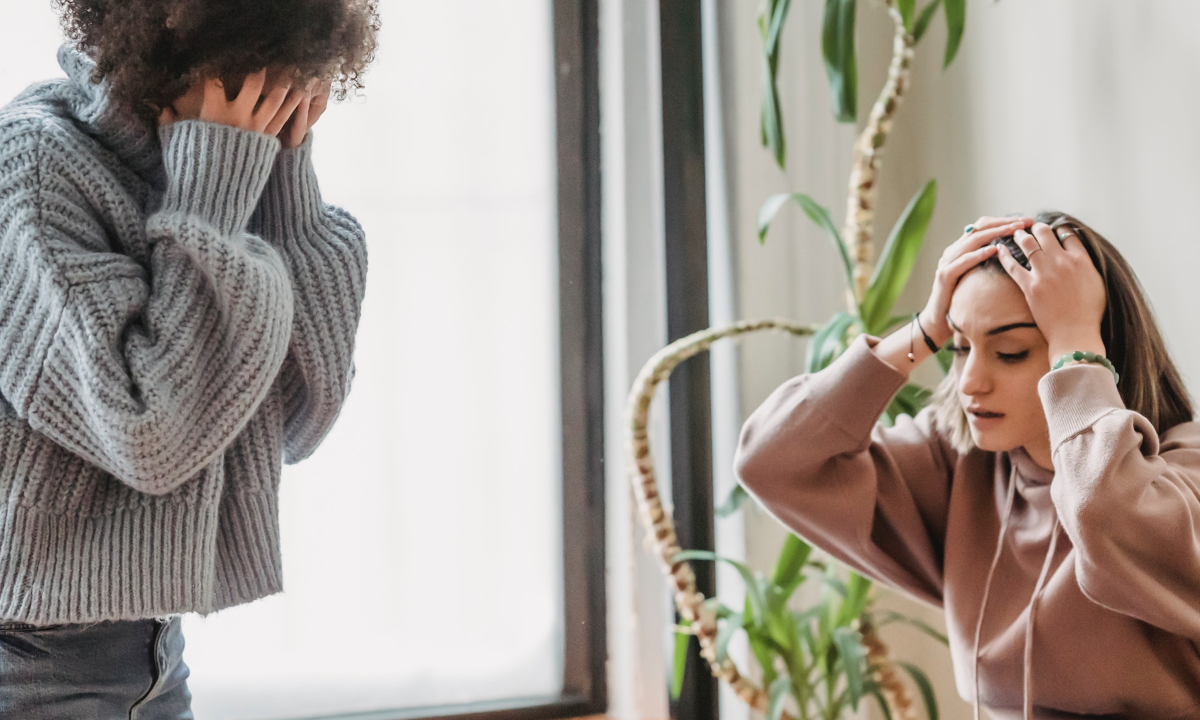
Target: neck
[(1039, 452)]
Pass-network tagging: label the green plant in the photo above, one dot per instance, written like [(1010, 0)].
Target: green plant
[(821, 659)]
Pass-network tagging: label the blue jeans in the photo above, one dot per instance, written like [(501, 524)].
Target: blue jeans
[(126, 670)]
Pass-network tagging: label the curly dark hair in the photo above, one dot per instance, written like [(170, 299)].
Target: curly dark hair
[(152, 50)]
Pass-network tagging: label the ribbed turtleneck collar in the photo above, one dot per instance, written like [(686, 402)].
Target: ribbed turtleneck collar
[(114, 125)]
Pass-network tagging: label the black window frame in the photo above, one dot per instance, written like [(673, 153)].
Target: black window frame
[(681, 45)]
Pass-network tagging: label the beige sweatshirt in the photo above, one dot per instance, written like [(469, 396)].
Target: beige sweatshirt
[(1115, 530)]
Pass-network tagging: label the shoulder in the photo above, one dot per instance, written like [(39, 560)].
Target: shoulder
[(45, 212), (22, 127), (35, 134), (41, 120), (1182, 439)]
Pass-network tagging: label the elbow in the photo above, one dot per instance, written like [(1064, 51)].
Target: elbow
[(164, 465), (157, 481), (307, 428), (751, 462)]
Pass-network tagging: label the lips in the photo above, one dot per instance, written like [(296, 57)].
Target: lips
[(983, 413)]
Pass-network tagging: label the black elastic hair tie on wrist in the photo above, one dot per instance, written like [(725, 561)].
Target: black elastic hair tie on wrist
[(928, 340)]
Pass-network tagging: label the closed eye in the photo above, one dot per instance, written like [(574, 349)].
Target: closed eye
[(961, 351)]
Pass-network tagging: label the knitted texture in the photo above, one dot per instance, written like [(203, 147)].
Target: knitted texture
[(177, 318)]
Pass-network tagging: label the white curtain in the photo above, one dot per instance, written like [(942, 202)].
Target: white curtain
[(422, 542)]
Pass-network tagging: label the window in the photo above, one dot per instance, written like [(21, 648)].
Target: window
[(426, 561)]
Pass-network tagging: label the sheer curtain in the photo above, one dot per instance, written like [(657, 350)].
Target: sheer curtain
[(422, 542)]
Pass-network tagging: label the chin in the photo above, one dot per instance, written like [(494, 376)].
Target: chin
[(991, 442)]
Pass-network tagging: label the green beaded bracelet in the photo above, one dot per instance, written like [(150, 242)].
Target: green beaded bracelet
[(1088, 356)]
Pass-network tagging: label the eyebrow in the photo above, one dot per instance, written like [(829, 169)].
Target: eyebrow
[(993, 331)]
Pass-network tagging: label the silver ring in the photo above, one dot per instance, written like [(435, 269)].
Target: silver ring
[(1063, 238), (968, 229), (1031, 252)]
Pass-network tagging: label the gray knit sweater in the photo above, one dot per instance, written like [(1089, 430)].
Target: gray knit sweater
[(177, 317)]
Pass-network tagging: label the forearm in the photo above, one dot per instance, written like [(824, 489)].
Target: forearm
[(895, 348), (325, 250)]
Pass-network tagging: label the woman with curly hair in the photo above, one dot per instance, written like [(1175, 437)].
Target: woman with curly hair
[(177, 318), (1048, 499)]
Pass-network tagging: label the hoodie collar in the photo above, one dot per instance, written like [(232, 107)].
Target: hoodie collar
[(114, 125), (1028, 469)]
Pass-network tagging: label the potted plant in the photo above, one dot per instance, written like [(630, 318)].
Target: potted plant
[(819, 660)]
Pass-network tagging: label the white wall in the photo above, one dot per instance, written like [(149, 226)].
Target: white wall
[(1081, 105)]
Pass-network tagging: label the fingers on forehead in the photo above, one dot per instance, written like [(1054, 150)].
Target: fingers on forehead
[(254, 82)]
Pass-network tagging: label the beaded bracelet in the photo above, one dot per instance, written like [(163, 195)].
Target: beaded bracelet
[(1088, 356)]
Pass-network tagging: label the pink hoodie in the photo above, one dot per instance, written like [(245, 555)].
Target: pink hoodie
[(1067, 594)]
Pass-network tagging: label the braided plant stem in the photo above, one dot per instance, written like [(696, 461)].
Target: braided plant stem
[(868, 152), (661, 526)]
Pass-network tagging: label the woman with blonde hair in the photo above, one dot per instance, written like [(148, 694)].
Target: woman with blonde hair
[(1048, 499)]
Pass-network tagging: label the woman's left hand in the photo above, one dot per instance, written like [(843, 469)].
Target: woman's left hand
[(1064, 290), (312, 105)]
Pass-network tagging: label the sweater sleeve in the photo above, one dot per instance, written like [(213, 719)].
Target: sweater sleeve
[(325, 251), (148, 371), (876, 498), (1128, 500)]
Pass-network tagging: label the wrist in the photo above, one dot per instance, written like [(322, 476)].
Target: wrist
[(215, 172), (933, 329), (1063, 345)]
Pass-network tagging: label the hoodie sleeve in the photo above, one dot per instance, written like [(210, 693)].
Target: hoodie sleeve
[(874, 497), (1128, 499), (325, 250)]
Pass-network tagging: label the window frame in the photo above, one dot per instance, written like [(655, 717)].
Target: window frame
[(577, 100)]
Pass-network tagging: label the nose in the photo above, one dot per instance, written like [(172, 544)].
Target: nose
[(973, 378)]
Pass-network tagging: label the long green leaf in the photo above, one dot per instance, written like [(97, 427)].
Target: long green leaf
[(789, 568), (681, 648), (841, 62), (858, 590), (956, 20), (779, 691), (926, 688), (909, 401), (770, 25), (774, 31), (778, 619), (945, 359), (773, 137), (753, 592), (891, 617), (817, 214), (898, 257), (714, 605), (737, 497), (887, 711), (763, 653), (836, 584), (907, 9), (850, 648), (725, 633), (820, 351), (924, 20)]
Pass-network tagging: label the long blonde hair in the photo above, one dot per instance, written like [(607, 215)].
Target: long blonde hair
[(1150, 383)]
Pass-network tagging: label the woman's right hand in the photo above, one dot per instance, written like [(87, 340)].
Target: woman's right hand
[(962, 255), (209, 104)]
